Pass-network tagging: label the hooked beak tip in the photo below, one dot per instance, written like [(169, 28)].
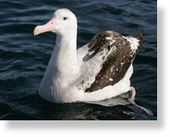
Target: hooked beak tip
[(36, 31)]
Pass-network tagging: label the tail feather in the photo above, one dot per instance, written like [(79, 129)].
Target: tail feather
[(140, 38)]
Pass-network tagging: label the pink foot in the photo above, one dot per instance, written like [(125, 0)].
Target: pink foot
[(132, 101)]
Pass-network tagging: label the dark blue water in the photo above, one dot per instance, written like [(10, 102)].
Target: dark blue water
[(23, 58)]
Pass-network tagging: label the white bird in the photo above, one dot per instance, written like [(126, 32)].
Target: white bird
[(99, 70)]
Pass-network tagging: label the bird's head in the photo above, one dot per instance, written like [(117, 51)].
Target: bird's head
[(62, 22)]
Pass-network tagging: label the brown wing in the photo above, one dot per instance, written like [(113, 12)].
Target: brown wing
[(116, 64)]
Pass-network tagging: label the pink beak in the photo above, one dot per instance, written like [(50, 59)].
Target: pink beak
[(48, 27)]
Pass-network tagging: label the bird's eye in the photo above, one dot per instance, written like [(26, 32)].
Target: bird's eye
[(65, 18)]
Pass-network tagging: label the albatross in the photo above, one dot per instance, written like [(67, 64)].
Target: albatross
[(99, 70)]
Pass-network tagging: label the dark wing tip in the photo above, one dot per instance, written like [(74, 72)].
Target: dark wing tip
[(140, 38)]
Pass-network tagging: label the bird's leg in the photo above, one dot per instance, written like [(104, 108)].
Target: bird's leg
[(132, 101)]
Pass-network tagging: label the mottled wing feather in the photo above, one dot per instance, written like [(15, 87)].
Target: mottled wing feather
[(116, 64), (100, 41)]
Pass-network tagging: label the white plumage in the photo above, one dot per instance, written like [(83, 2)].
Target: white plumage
[(71, 71)]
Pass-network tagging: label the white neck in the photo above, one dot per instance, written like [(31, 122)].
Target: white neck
[(64, 57)]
